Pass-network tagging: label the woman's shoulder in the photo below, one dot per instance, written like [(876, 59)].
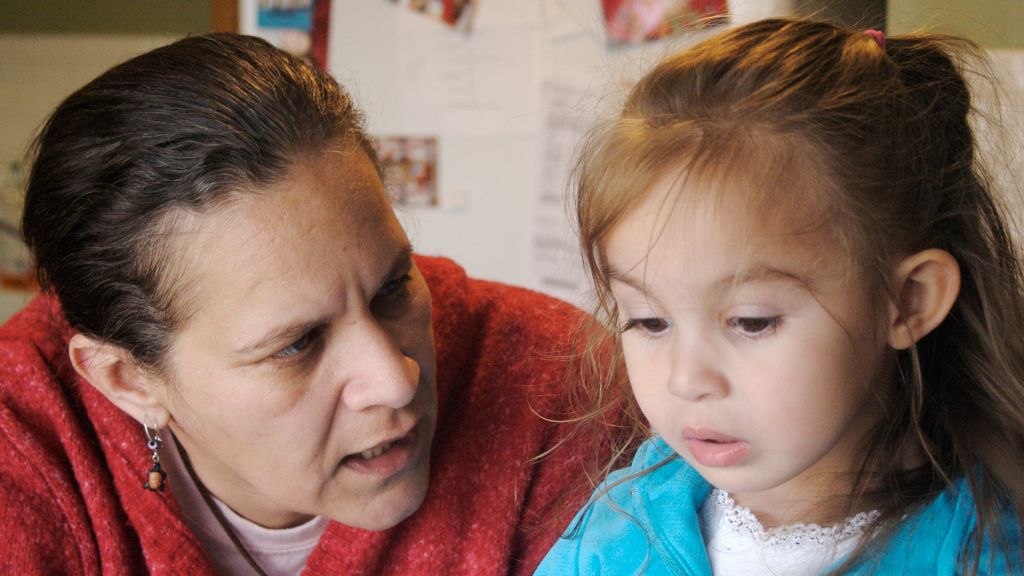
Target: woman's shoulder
[(507, 340), (34, 364), (39, 325), (38, 487), (455, 292)]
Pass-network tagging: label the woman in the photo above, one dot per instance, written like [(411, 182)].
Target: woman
[(232, 366)]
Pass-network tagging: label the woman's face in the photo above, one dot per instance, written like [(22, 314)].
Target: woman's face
[(303, 381)]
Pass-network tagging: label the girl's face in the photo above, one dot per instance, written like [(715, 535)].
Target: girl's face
[(750, 348), (303, 382)]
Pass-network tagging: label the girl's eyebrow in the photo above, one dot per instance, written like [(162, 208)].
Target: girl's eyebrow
[(764, 273), (756, 273), (615, 276)]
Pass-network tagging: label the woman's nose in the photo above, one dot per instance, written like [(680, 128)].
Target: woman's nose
[(379, 373)]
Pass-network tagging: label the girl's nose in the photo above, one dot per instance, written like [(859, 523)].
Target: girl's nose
[(379, 373), (695, 372)]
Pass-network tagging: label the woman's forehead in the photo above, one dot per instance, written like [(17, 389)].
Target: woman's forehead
[(328, 221)]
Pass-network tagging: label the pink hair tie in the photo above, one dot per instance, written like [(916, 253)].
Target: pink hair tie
[(879, 37)]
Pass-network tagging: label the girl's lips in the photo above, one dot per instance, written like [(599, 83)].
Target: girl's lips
[(713, 449)]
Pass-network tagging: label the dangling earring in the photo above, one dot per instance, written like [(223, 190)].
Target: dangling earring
[(156, 477)]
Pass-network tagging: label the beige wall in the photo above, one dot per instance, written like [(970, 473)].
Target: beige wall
[(995, 24), (150, 17), (37, 71)]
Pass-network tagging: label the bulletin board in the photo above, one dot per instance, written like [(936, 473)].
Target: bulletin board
[(507, 101), (497, 98)]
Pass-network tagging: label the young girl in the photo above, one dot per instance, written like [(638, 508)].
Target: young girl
[(820, 312)]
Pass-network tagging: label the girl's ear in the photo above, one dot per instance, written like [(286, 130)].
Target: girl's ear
[(927, 284), (113, 371)]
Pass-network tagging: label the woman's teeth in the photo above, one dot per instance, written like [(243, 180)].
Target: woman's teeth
[(374, 452)]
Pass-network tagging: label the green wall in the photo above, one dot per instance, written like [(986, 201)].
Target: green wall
[(994, 24), (176, 17)]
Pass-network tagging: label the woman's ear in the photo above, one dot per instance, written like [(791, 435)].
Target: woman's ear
[(927, 285), (113, 371)]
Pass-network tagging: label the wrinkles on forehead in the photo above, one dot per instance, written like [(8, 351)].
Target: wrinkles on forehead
[(183, 235)]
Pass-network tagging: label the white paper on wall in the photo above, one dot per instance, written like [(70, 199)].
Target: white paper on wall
[(479, 84), (746, 11), (557, 264)]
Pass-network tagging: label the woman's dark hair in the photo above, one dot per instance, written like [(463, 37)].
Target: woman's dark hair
[(885, 126), (178, 129)]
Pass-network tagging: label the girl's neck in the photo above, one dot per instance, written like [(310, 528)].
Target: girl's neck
[(825, 500), (773, 510)]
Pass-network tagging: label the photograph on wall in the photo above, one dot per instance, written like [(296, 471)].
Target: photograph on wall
[(410, 169), (638, 21), (455, 13), (295, 26), (15, 263)]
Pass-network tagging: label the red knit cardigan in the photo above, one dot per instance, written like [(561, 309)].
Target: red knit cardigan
[(72, 465)]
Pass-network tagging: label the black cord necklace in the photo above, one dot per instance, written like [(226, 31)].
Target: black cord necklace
[(216, 511)]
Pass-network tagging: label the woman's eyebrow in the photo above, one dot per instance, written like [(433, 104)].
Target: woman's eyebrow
[(281, 334), (401, 263), (402, 260)]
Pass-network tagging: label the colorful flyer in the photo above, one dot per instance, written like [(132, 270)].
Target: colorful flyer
[(637, 21), (410, 169), (455, 13)]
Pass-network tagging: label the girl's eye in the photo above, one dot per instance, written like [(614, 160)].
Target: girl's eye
[(297, 347), (754, 326), (650, 326)]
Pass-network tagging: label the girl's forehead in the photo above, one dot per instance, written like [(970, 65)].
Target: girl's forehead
[(724, 226), (752, 206)]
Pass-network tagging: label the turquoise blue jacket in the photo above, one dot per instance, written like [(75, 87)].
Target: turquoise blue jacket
[(649, 525)]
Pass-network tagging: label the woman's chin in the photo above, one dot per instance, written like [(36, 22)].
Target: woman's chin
[(391, 508)]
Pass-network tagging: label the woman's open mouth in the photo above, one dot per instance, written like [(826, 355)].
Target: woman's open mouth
[(384, 459), (374, 452)]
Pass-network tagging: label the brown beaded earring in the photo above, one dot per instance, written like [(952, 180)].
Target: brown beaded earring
[(156, 478)]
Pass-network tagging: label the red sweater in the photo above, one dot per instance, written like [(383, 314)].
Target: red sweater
[(72, 465)]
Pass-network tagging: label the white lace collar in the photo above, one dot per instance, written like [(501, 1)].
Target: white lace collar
[(737, 543), (743, 520)]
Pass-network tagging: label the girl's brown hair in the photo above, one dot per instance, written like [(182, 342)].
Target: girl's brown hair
[(887, 127)]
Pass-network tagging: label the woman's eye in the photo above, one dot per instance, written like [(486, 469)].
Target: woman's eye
[(391, 296), (296, 347), (754, 326), (648, 325), (393, 286)]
